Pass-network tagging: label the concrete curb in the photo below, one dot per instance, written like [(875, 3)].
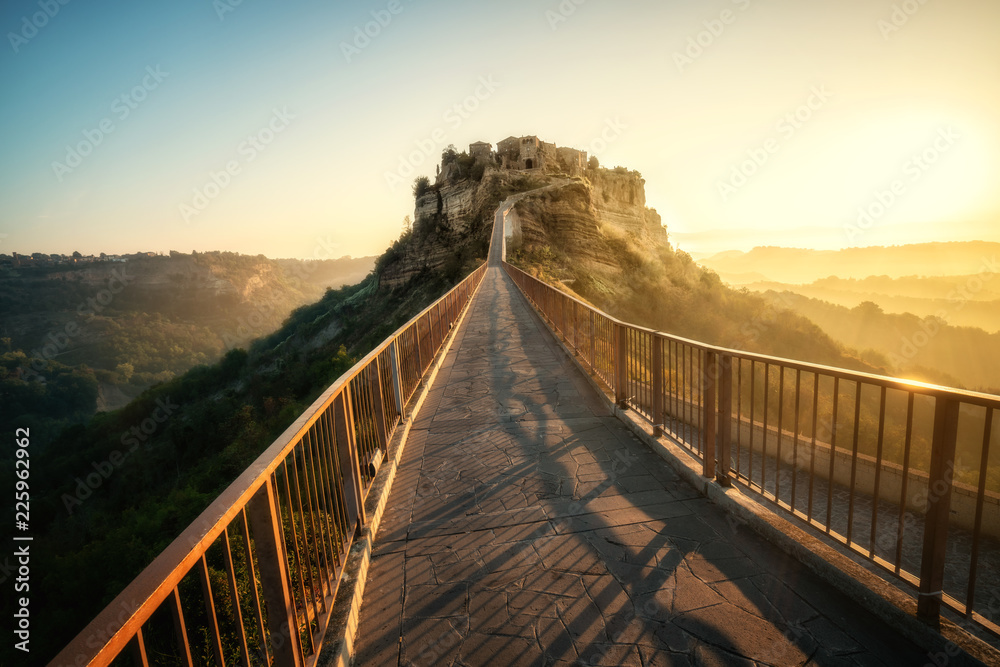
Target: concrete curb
[(949, 645), (338, 646)]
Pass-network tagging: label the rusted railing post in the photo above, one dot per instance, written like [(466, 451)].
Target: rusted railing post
[(397, 376), (657, 371), (562, 316), (438, 331), (180, 627), (593, 343), (138, 649), (621, 363), (347, 452), (709, 373), (214, 636), (725, 381), (417, 346), (381, 419), (939, 485), (576, 329), (265, 521)]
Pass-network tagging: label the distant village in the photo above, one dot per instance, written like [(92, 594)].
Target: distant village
[(43, 260)]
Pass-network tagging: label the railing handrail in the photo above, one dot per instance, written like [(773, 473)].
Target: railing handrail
[(692, 386), (150, 589), (890, 382)]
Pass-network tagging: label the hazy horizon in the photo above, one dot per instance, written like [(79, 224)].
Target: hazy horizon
[(288, 131)]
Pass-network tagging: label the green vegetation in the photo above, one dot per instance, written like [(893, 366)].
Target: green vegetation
[(128, 326), (965, 300), (929, 349), (119, 487), (660, 288), (637, 278), (173, 449), (462, 165), (68, 394), (421, 186)]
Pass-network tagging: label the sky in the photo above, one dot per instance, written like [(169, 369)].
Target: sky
[(295, 129)]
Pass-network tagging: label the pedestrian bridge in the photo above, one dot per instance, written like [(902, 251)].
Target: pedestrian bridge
[(516, 478)]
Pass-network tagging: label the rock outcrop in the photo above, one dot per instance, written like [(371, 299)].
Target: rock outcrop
[(581, 218), (452, 220), (579, 214), (619, 198)]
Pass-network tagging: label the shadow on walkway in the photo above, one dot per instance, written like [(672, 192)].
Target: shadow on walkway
[(527, 526)]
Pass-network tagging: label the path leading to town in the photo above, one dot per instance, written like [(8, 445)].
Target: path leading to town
[(527, 526)]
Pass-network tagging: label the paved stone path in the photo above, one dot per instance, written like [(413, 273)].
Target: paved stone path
[(526, 526)]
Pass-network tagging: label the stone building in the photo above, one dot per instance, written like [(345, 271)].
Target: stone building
[(481, 150), (530, 152), (574, 161)]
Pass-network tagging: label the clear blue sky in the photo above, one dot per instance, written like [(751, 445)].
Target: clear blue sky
[(309, 132)]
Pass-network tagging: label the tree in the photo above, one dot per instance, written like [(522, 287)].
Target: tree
[(407, 224), (592, 163), (125, 371), (421, 186), (76, 254)]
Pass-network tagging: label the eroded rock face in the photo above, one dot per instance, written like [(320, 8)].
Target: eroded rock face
[(564, 219), (576, 216), (578, 219), (620, 200), (450, 221)]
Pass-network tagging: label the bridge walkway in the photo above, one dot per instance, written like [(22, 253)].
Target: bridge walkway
[(527, 526)]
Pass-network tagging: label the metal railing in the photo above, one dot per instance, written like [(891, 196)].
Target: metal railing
[(899, 472), (253, 579)]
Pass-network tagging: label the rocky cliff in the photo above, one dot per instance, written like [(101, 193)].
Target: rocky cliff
[(453, 216), (585, 217), (452, 220), (594, 237)]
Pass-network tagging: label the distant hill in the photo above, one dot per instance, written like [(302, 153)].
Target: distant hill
[(594, 238), (905, 345), (968, 300), (91, 543), (797, 265), (102, 332)]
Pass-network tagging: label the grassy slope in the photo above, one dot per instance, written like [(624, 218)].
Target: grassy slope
[(650, 284), (225, 415)]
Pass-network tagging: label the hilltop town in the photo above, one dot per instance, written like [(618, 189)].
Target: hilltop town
[(530, 153), (41, 259)]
